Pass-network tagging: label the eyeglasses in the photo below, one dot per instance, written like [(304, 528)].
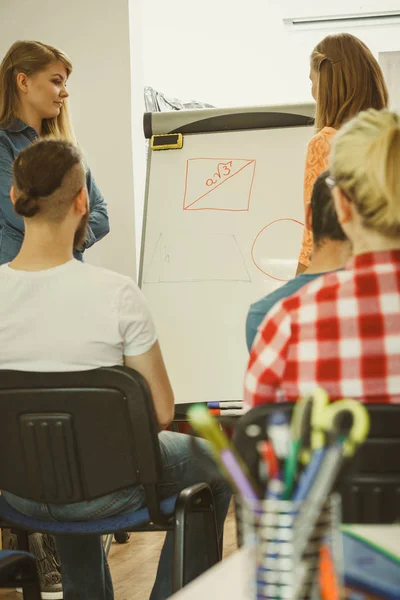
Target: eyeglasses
[(330, 182)]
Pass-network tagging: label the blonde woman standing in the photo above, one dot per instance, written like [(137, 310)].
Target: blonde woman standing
[(346, 79), (342, 331), (33, 105)]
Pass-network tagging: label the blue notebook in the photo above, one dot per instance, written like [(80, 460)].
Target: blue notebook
[(370, 568)]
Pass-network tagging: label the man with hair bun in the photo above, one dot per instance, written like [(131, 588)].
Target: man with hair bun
[(58, 314)]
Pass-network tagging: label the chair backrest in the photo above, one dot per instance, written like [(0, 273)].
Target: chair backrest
[(251, 429), (370, 484), (70, 437)]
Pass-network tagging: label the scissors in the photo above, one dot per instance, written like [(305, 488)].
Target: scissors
[(315, 425)]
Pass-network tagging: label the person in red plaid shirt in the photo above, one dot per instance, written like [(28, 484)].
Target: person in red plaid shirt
[(342, 331)]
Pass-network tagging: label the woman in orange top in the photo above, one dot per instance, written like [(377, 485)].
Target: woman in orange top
[(346, 79)]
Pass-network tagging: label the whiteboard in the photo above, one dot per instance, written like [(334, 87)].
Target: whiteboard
[(223, 226)]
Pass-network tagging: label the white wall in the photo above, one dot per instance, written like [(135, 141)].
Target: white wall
[(233, 54), (95, 34), (390, 62), (138, 108)]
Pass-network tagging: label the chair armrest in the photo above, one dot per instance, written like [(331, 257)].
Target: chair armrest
[(198, 495), (16, 566)]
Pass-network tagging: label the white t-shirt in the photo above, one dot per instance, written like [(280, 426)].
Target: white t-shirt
[(74, 317)]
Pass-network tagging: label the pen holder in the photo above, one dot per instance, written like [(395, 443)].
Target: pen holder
[(294, 550)]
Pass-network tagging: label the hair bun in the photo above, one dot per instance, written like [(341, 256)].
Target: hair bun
[(27, 204), (33, 193)]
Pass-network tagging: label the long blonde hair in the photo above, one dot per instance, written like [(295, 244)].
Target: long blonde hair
[(30, 57), (350, 80), (365, 165)]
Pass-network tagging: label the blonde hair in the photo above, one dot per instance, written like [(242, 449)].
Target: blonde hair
[(349, 80), (30, 57), (365, 165)]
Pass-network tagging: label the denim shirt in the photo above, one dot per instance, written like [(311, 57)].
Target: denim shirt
[(13, 140)]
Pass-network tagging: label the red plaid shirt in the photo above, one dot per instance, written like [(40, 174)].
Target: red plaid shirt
[(340, 332)]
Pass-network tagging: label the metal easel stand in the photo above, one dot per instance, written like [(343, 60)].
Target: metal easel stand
[(285, 544)]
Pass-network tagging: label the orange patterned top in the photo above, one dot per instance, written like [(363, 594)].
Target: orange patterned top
[(317, 161)]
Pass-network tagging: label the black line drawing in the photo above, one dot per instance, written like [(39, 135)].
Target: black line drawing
[(196, 259)]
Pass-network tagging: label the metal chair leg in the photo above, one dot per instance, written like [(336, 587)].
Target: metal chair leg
[(179, 548), (238, 522), (26, 575), (107, 543), (31, 591), (23, 540), (211, 533)]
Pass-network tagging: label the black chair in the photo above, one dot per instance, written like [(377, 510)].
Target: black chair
[(72, 437), (370, 484), (18, 569)]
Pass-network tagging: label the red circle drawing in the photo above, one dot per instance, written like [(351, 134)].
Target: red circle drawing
[(257, 238)]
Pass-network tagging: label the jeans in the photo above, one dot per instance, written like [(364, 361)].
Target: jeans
[(85, 572)]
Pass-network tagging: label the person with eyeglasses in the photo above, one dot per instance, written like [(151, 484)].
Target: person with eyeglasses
[(346, 79), (342, 331)]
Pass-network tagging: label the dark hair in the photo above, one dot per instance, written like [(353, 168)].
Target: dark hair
[(325, 225), (47, 176)]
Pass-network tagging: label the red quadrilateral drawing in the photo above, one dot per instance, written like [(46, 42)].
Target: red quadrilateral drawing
[(219, 184)]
